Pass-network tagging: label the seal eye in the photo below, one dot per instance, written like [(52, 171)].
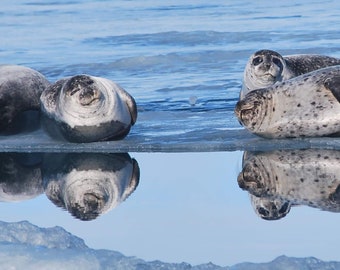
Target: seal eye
[(284, 209), (277, 62), (257, 60), (263, 212)]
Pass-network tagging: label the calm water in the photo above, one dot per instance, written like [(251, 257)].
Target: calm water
[(187, 207)]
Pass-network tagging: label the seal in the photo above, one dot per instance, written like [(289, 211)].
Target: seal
[(20, 90), (266, 67), (307, 105), (85, 108), (91, 184), (20, 176), (280, 179)]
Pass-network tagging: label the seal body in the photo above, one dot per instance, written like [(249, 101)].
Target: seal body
[(267, 67), (292, 177), (88, 185), (20, 90), (307, 105), (20, 176), (85, 108)]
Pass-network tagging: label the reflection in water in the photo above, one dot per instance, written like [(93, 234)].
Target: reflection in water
[(20, 176), (85, 184), (280, 179), (88, 185)]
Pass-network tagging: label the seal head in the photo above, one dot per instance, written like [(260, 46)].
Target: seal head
[(264, 68), (267, 67)]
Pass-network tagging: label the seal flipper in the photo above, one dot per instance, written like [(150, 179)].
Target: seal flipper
[(134, 181), (333, 84), (130, 102)]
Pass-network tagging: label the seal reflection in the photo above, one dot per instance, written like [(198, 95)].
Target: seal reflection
[(279, 180), (20, 176), (85, 184)]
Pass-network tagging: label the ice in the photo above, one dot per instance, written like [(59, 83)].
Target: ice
[(26, 246), (166, 139), (28, 234)]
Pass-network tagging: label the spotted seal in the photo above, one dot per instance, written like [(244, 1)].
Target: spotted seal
[(85, 108), (88, 185), (307, 105), (286, 178), (266, 67), (20, 90)]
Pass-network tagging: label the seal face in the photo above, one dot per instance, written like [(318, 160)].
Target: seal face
[(269, 208), (85, 108), (267, 67), (278, 180), (307, 105), (20, 90), (91, 184)]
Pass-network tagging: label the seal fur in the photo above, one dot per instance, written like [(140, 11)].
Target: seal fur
[(20, 90), (291, 177), (304, 106), (90, 184), (267, 67), (85, 108)]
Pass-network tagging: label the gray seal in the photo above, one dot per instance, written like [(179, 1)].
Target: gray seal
[(20, 90), (280, 179), (89, 184), (85, 108), (304, 106), (267, 67), (20, 176)]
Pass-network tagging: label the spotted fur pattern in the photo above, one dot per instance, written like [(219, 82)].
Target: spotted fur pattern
[(304, 106), (266, 67), (291, 177)]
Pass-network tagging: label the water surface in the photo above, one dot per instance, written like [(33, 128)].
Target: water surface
[(183, 62)]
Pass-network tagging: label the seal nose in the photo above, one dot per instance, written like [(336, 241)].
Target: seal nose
[(88, 96), (267, 64), (243, 110), (76, 83)]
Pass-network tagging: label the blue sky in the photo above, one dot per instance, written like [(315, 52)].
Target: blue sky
[(188, 207)]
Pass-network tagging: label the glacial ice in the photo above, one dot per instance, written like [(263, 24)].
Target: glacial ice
[(194, 140)]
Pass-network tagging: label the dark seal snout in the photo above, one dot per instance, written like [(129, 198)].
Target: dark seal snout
[(249, 110), (77, 83)]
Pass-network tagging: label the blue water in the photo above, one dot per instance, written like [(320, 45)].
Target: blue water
[(165, 55), (168, 54)]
